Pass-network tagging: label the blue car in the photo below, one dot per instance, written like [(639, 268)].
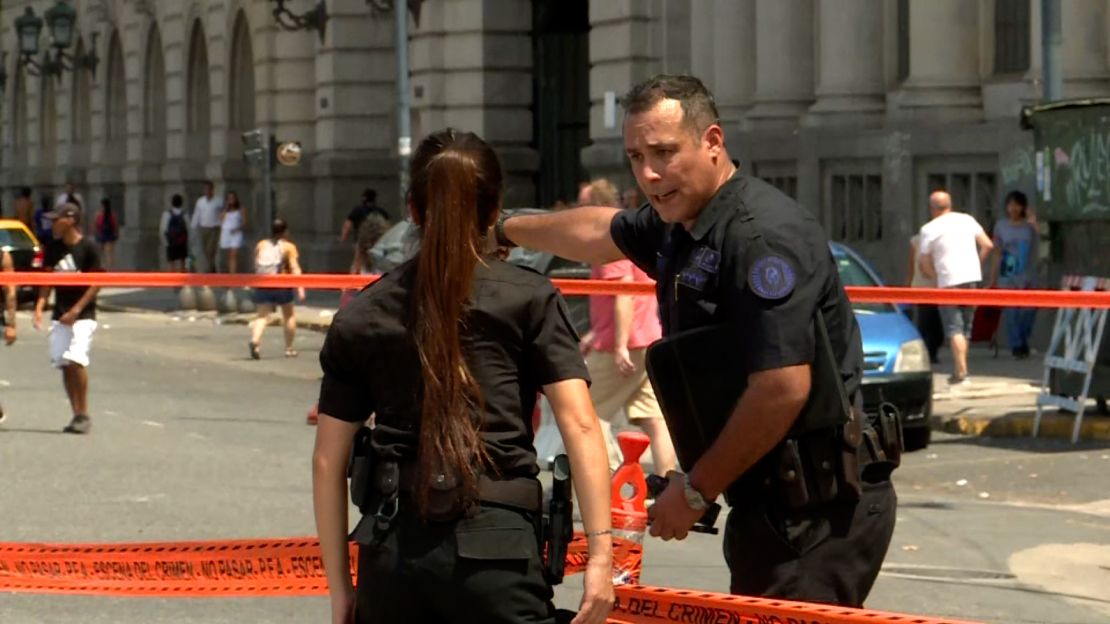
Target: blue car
[(895, 362)]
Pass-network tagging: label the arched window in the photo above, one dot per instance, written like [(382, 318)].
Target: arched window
[(1011, 36), (154, 87), (198, 95), (115, 109), (241, 113)]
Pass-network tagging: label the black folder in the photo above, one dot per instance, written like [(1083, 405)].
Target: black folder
[(699, 374)]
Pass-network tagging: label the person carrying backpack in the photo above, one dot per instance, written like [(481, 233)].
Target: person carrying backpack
[(275, 256), (175, 233)]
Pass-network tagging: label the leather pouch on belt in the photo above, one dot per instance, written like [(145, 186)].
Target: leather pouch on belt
[(445, 498), (822, 453), (890, 433), (851, 438), (790, 476)]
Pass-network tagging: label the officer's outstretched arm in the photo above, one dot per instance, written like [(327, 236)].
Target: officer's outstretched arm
[(577, 234), (762, 417)]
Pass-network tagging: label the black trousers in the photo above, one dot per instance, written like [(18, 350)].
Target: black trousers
[(831, 554), (932, 331), (481, 569)]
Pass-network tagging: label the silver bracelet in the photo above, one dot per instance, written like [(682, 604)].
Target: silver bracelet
[(599, 533)]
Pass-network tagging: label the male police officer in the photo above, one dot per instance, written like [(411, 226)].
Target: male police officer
[(728, 248)]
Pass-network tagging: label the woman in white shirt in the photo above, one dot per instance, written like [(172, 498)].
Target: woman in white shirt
[(233, 220)]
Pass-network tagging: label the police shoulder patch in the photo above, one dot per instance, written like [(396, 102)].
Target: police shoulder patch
[(772, 277)]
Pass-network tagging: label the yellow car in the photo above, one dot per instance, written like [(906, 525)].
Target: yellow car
[(26, 252)]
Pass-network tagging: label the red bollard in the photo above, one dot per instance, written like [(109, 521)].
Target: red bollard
[(629, 493)]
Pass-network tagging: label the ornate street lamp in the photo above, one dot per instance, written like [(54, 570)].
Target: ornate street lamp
[(315, 18), (61, 19), (28, 26)]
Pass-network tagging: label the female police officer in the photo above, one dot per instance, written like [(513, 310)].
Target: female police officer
[(448, 351)]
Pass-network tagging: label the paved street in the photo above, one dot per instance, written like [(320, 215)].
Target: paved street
[(193, 440)]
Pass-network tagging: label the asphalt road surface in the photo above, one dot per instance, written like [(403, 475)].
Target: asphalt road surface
[(193, 440)]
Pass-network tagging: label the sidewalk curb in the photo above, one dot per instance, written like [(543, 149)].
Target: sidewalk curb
[(1020, 425), (237, 318)]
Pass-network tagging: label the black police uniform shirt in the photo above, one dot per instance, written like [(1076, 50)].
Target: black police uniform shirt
[(753, 257), (518, 338), (81, 257)]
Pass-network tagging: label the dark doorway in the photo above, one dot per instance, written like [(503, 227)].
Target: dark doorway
[(561, 96)]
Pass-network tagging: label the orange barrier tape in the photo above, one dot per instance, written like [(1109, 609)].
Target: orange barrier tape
[(638, 604), (338, 281), (275, 567), (270, 567), (981, 297)]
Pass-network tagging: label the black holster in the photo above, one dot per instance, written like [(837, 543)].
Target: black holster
[(360, 469), (558, 523), (883, 444)]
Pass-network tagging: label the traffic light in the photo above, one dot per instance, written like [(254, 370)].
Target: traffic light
[(262, 150)]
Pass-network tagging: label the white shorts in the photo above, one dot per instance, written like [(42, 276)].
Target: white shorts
[(70, 343)]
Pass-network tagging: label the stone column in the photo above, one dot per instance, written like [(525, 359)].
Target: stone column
[(284, 96), (472, 69), (784, 63), (943, 83), (177, 29), (704, 40), (675, 37), (1086, 73), (850, 88), (734, 54), (622, 53), (355, 122), (136, 194)]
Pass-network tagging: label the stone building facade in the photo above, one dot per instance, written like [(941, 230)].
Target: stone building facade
[(856, 107)]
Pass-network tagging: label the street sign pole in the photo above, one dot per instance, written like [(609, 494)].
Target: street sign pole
[(268, 177), (404, 117), (1052, 42)]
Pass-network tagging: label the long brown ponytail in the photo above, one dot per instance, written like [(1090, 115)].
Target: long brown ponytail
[(456, 191)]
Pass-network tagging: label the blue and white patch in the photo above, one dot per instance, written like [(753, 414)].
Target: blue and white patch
[(693, 278), (772, 277), (706, 259)]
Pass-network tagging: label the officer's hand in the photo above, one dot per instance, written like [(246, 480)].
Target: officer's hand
[(597, 594), (623, 361), (670, 517)]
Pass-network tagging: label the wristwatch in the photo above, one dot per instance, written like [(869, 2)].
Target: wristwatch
[(499, 233), (694, 499)]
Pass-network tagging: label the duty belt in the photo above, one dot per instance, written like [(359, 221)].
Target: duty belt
[(523, 493)]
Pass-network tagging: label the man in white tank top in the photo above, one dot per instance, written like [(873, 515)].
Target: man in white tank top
[(953, 247)]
